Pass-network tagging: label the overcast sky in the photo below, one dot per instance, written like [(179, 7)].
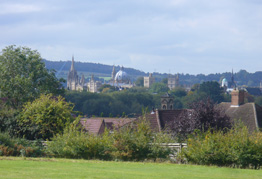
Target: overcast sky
[(176, 36)]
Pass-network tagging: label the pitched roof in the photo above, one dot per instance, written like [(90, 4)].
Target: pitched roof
[(93, 126), (163, 119), (98, 125), (249, 113)]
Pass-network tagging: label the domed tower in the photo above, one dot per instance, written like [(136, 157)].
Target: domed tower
[(122, 76), (224, 83)]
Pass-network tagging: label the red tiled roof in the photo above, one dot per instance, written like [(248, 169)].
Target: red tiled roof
[(153, 121), (93, 126), (98, 125)]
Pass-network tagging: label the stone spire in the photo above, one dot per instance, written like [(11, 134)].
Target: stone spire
[(82, 81), (233, 84), (73, 64), (113, 73)]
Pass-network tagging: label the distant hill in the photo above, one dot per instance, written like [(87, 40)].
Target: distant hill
[(89, 67), (100, 70)]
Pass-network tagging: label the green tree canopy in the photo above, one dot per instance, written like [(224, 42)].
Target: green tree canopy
[(158, 88), (140, 81), (24, 77), (178, 92), (45, 117)]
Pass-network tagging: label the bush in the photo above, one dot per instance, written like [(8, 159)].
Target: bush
[(19, 147), (75, 143), (236, 148), (45, 117), (133, 142)]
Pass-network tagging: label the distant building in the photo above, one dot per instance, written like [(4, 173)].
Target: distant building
[(74, 83), (167, 102), (149, 80), (120, 79), (229, 86), (93, 85), (72, 78), (173, 81)]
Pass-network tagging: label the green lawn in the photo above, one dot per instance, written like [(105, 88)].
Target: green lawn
[(62, 168)]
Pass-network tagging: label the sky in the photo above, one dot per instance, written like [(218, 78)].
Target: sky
[(166, 36)]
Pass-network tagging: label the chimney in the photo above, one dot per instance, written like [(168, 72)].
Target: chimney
[(237, 98)]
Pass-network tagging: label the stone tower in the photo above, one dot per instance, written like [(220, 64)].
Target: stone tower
[(167, 102), (72, 78), (113, 74), (173, 81), (148, 81)]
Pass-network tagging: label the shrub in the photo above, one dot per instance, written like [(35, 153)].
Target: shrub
[(132, 142), (236, 148), (10, 146), (74, 143), (45, 117)]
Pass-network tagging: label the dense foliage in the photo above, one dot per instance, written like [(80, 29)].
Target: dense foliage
[(135, 142), (114, 103), (24, 77), (236, 148), (111, 104), (45, 117), (10, 146), (204, 115)]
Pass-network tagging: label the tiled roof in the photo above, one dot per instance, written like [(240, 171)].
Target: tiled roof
[(98, 125), (249, 113), (93, 126), (163, 119), (153, 121)]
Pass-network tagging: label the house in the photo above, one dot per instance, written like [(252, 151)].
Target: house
[(97, 125), (249, 113)]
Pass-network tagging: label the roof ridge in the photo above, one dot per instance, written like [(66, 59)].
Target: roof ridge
[(255, 114)]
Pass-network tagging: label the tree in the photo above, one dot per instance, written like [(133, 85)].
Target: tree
[(106, 88), (203, 115), (45, 117), (140, 81), (24, 77), (178, 92), (212, 90), (158, 88), (164, 80)]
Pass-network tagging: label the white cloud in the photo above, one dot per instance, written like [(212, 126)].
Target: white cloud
[(18, 8)]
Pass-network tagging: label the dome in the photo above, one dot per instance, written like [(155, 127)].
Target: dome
[(121, 76), (224, 82)]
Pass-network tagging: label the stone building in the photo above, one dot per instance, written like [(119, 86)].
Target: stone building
[(167, 102), (173, 81), (74, 83), (72, 78), (93, 85), (120, 79), (149, 80)]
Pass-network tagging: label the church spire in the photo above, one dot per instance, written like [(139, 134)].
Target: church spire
[(73, 64), (113, 73)]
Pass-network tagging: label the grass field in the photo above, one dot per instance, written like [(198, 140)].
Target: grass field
[(11, 167)]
